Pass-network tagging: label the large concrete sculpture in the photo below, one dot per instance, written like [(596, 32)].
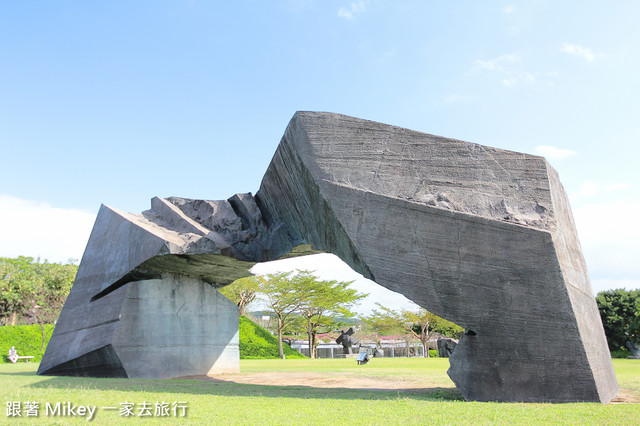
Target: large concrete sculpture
[(481, 236)]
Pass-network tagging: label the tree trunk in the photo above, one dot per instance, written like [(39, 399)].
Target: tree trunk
[(42, 331), (312, 353), (13, 318), (280, 327), (408, 350), (425, 349), (312, 343)]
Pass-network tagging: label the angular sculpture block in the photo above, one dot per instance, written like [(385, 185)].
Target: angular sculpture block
[(480, 236), (124, 319)]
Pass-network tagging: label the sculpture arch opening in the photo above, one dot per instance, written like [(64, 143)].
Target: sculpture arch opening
[(328, 267), (480, 236)]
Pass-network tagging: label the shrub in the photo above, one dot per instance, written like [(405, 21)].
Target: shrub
[(27, 339), (433, 353), (258, 343), (620, 354)]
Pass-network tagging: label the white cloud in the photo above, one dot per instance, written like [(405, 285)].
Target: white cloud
[(609, 235), (355, 7), (37, 229), (328, 266), (497, 64), (554, 153), (509, 9), (579, 51), (514, 78), (504, 65)]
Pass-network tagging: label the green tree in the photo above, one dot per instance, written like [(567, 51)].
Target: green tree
[(446, 328), (620, 313), (420, 324), (17, 279), (243, 291), (324, 301), (386, 322), (33, 291), (49, 296), (283, 295)]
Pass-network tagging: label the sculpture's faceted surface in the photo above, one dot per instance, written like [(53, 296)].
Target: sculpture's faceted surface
[(132, 312), (480, 236)]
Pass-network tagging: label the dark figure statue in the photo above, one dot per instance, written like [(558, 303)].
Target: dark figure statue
[(347, 341), (446, 347), (635, 349)]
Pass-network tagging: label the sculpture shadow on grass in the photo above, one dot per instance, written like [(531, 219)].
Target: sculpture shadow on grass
[(196, 387)]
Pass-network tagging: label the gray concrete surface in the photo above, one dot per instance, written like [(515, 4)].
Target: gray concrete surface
[(480, 236), (174, 326)]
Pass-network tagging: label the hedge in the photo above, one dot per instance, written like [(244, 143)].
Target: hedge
[(255, 341), (258, 343), (27, 339)]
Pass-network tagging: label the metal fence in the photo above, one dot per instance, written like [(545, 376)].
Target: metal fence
[(397, 350)]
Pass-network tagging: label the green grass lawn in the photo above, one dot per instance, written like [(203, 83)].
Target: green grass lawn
[(230, 403)]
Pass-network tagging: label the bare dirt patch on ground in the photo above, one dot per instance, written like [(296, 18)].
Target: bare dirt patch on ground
[(352, 381), (625, 396), (323, 380)]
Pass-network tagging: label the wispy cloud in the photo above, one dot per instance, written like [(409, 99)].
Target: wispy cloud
[(498, 63), (354, 8), (518, 77), (509, 9), (505, 65), (579, 51), (554, 153)]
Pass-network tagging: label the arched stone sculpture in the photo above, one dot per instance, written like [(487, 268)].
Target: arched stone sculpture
[(480, 236)]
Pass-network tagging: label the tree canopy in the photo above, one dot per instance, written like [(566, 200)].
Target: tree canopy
[(243, 291), (419, 324), (304, 298), (33, 292), (325, 300), (283, 295), (620, 313)]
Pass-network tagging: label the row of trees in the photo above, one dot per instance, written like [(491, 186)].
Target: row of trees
[(317, 306), (420, 324), (300, 297), (33, 292)]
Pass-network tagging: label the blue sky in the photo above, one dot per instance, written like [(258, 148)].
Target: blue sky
[(116, 102)]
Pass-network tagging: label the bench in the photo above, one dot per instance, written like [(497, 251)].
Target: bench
[(363, 358), (14, 357), (17, 358)]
